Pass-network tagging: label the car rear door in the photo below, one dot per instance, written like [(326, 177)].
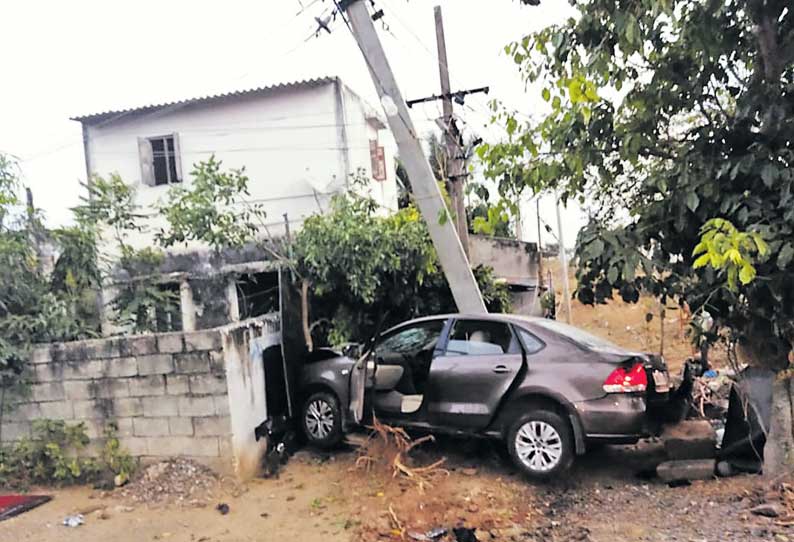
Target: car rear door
[(479, 362)]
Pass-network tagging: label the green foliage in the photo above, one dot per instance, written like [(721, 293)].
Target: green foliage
[(369, 271), (212, 209), (665, 115), (725, 248), (52, 456), (140, 299)]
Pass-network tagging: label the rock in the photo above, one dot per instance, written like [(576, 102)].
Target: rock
[(725, 469), (223, 508), (693, 469), (123, 509), (690, 439), (767, 510), (469, 471)]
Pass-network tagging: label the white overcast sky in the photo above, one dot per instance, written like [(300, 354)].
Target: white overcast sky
[(63, 59)]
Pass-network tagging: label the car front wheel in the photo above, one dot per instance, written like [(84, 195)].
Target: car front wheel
[(321, 420), (540, 443)]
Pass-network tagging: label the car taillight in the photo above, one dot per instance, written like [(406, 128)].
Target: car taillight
[(623, 380)]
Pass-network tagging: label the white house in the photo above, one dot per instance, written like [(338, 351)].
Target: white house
[(299, 143)]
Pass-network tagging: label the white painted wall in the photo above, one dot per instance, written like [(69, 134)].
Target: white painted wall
[(288, 141)]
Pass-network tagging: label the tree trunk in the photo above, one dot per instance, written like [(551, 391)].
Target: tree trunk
[(307, 331), (779, 448)]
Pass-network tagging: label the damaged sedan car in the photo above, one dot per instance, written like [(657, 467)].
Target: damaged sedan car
[(546, 389)]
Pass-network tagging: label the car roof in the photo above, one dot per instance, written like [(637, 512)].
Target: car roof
[(494, 316)]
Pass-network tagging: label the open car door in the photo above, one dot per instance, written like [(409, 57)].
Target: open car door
[(358, 386)]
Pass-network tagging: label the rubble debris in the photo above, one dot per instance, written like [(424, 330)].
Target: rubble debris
[(436, 533), (465, 534), (74, 521), (689, 469), (223, 508), (178, 480), (749, 411), (416, 535), (690, 439), (768, 510)]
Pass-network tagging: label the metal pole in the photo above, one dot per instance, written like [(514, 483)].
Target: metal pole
[(428, 198), (566, 290), (455, 164)]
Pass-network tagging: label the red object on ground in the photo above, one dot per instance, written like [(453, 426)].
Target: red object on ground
[(12, 505)]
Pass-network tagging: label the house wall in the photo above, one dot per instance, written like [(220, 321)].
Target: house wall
[(170, 394), (289, 142)]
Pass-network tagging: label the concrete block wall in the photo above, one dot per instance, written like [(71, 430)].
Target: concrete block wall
[(168, 393)]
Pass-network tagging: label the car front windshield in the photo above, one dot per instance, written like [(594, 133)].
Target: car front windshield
[(577, 335)]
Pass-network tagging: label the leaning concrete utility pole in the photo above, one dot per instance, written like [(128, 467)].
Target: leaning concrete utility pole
[(426, 193), (455, 166)]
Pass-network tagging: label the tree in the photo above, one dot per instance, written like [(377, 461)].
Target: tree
[(368, 271), (666, 114)]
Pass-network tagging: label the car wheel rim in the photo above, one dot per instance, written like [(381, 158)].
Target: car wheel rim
[(539, 446), (319, 419)]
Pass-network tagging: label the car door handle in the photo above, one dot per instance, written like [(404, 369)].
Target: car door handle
[(501, 369)]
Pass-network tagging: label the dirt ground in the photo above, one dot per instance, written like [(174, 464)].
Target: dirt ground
[(324, 497), (626, 325)]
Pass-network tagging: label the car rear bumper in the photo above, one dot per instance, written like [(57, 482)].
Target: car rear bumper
[(614, 417)]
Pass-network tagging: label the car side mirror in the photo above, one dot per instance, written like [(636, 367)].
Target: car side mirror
[(352, 350)]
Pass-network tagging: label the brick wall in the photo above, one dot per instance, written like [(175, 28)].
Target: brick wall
[(167, 393)]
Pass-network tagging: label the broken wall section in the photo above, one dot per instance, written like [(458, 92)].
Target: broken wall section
[(168, 393)]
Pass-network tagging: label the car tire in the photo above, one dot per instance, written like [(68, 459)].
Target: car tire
[(541, 444), (321, 420)]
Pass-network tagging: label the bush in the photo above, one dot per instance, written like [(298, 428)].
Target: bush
[(52, 457)]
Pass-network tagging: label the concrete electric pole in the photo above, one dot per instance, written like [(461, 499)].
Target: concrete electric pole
[(455, 159), (426, 193)]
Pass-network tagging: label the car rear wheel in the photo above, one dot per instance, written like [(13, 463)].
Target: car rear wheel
[(540, 443), (321, 420)]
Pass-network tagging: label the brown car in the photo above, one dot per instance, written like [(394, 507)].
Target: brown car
[(547, 389)]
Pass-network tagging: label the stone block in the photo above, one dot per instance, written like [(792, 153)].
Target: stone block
[(177, 385), (203, 341), (57, 410), (49, 372), (123, 427), (150, 427), (48, 391), (146, 386), (690, 439), (82, 370), (40, 354), (85, 350), (192, 362), (212, 426), (110, 388), (78, 389), (15, 430), (135, 446), (127, 406), (221, 405), (171, 343), (142, 345), (693, 469), (22, 412), (207, 384), (225, 447), (160, 406), (196, 406), (155, 364), (180, 426), (120, 367), (86, 410), (95, 429), (189, 446), (217, 362)]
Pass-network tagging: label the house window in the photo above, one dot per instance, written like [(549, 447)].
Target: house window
[(160, 160)]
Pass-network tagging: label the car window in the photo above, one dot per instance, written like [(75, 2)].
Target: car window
[(411, 340), (575, 334), (481, 337), (531, 343)]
